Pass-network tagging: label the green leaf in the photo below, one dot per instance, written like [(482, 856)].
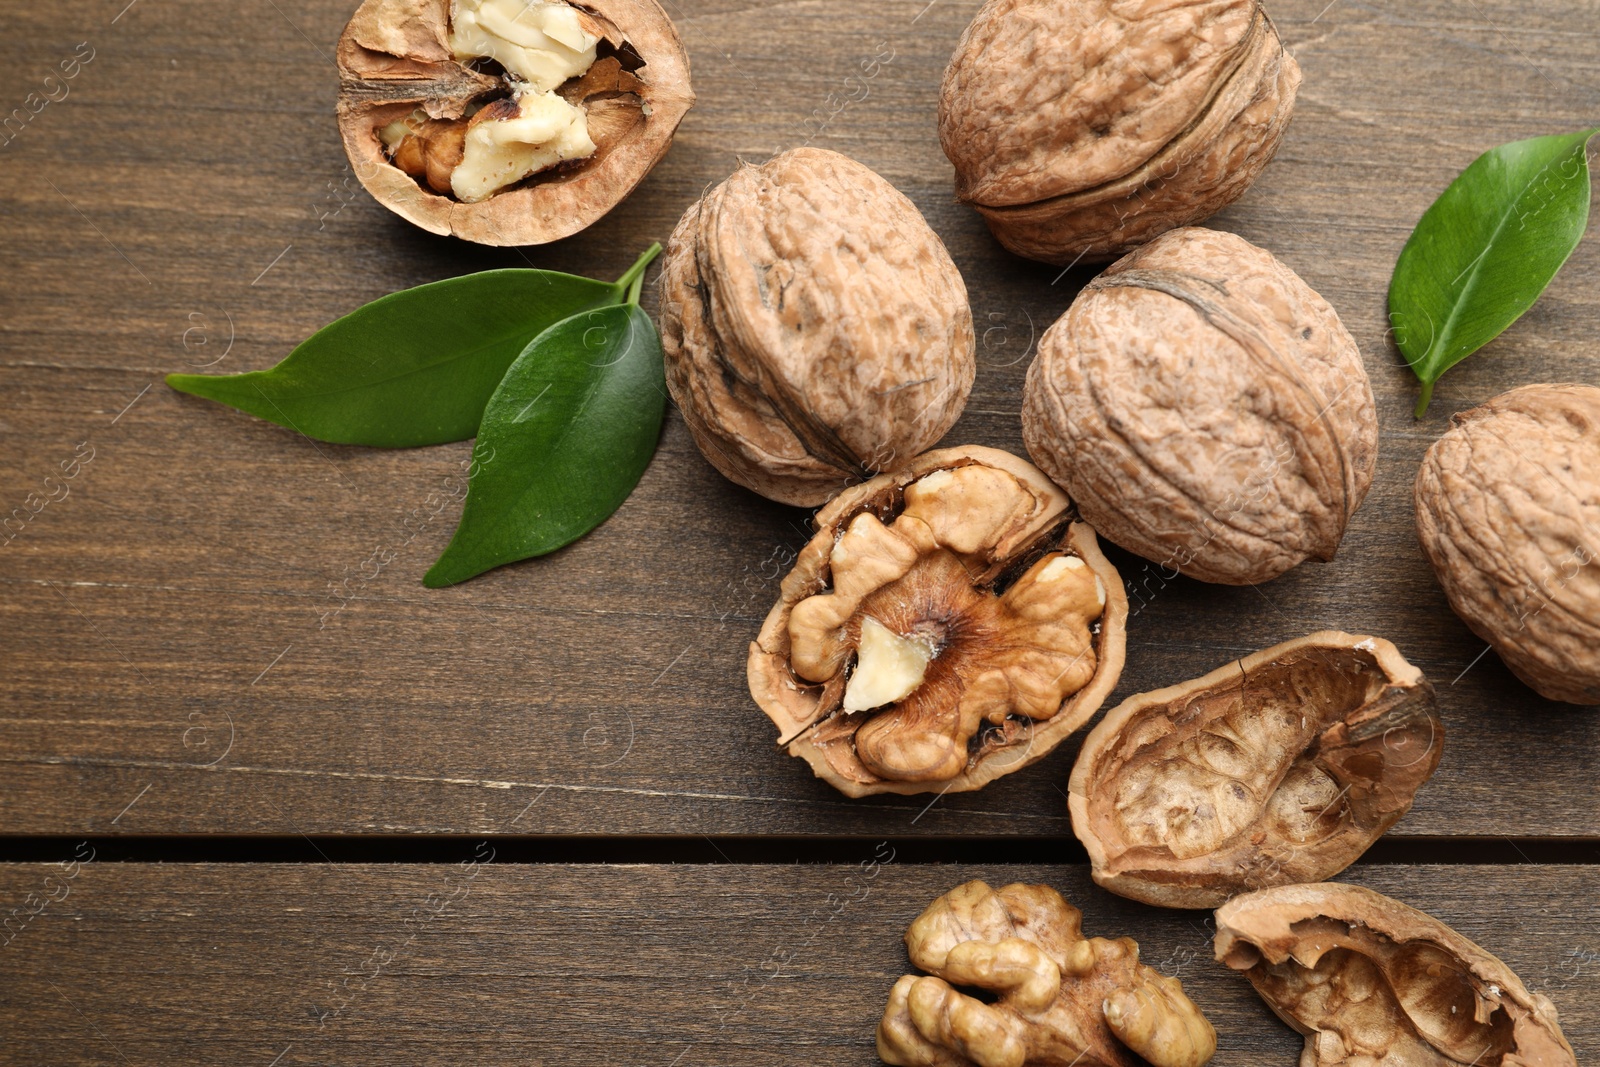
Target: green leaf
[(564, 440), (414, 367), (1486, 249)]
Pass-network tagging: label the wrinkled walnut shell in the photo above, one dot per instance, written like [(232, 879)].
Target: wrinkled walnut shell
[(1205, 409), (1058, 999), (1369, 980), (394, 58), (1281, 767), (816, 331), (990, 552), (1081, 130), (1508, 509)]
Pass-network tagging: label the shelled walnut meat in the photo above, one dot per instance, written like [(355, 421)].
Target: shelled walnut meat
[(1052, 997), (949, 623), (508, 122), (1508, 511), (1205, 409), (1281, 767), (1369, 980), (816, 331), (1081, 130)]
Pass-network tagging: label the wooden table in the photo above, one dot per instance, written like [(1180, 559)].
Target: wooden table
[(204, 663)]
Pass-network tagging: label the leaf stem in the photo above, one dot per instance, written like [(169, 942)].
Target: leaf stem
[(632, 280), (1423, 400)]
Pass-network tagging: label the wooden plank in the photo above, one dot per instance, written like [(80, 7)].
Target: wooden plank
[(221, 626), (685, 965)]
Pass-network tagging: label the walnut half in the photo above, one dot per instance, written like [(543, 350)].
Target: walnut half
[(1059, 999), (1369, 980), (949, 622)]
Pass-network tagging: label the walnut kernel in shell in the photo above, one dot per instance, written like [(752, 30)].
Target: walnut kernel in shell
[(1281, 767), (1003, 628), (1508, 511), (815, 329), (1205, 409), (504, 144), (1080, 130)]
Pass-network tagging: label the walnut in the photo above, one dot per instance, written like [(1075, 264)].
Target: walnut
[(816, 331), (1281, 767), (949, 623), (1205, 409), (1059, 1000), (1080, 130), (508, 122), (1508, 505), (1369, 980)]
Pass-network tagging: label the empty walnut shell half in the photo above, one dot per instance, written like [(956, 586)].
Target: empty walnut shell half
[(816, 331), (1280, 767), (1052, 998), (1508, 505), (949, 623), (1080, 130), (1205, 409), (508, 122), (1369, 980)]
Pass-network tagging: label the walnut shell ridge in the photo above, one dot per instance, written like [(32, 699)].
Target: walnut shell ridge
[(815, 329), (1205, 409), (1508, 512), (1081, 130), (394, 58)]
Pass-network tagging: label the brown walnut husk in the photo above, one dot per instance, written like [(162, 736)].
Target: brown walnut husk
[(1205, 409), (1369, 980), (394, 58), (1081, 130), (1508, 509), (1058, 999), (816, 331), (1014, 673), (1281, 767)]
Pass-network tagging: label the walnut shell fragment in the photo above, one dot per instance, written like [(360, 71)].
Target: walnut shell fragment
[(1369, 980), (1058, 999), (1281, 767), (1508, 509), (1205, 409), (816, 331), (1082, 130), (949, 623), (582, 126)]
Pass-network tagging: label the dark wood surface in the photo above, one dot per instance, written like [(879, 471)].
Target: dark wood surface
[(197, 637), (650, 966)]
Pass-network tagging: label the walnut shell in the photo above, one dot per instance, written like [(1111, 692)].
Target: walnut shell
[(1369, 980), (1508, 505), (1009, 673), (1081, 130), (815, 329), (1205, 409), (394, 59), (1281, 767)]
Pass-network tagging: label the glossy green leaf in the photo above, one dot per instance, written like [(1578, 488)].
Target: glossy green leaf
[(1486, 249), (413, 368), (564, 440)]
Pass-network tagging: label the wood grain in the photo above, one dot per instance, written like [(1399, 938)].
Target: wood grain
[(198, 636), (649, 966)]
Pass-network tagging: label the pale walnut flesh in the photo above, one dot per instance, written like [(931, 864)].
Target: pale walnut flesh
[(1281, 767), (1371, 981), (1052, 998), (949, 622)]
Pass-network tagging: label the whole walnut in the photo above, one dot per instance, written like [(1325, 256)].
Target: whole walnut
[(815, 329), (508, 122), (1508, 511), (1080, 130), (1205, 409)]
